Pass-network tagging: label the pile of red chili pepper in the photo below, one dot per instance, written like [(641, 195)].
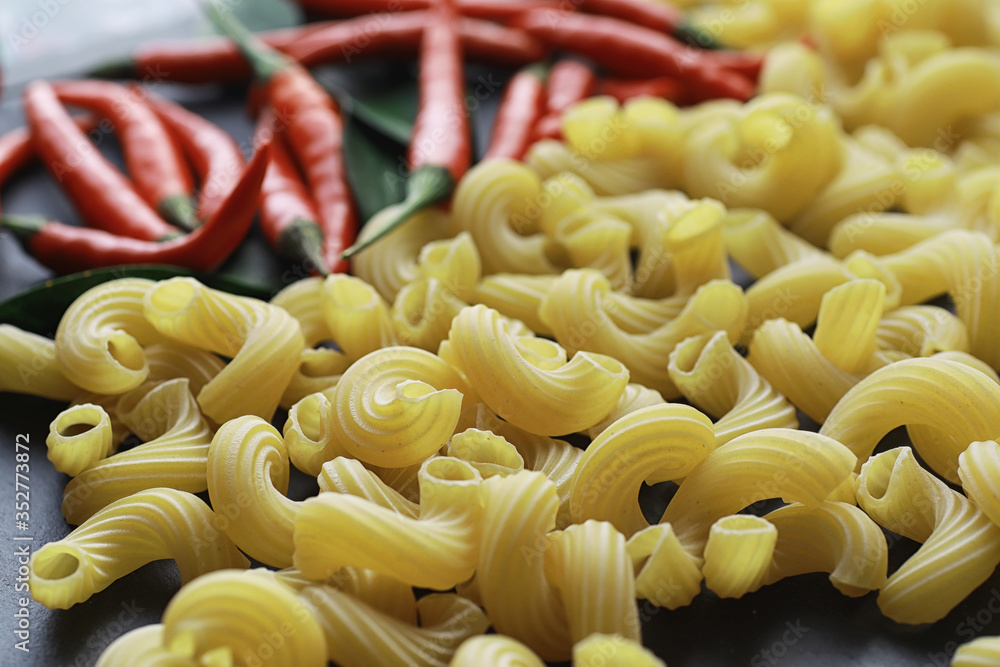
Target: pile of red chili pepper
[(297, 178)]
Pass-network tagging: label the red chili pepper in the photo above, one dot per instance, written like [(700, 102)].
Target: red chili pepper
[(152, 157), (315, 132), (66, 248), (102, 195), (497, 10), (570, 81), (440, 150), (630, 50), (520, 108), (287, 213), (624, 90), (216, 158)]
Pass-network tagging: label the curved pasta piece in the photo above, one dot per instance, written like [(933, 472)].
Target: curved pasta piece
[(613, 650), (169, 359), (980, 652), (248, 469), (935, 266), (516, 296), (349, 476), (396, 406), (920, 331), (793, 292), (539, 390), (760, 245), (978, 469), (358, 635), (835, 537), (356, 315), (606, 177), (636, 397), (28, 366), (174, 455), (881, 233), (422, 313), (264, 342), (653, 444), (589, 565), (847, 324), (441, 546), (592, 239), (720, 382), (959, 401), (737, 554), (233, 617), (666, 574), (697, 247), (303, 300), (494, 202), (382, 593), (588, 124), (797, 466), (487, 452), (142, 647), (454, 262), (125, 535), (318, 370), (577, 310), (79, 436), (961, 546), (308, 434), (494, 650), (100, 337)]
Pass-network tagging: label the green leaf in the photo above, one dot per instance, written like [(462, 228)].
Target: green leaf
[(376, 169), (390, 111), (40, 308)]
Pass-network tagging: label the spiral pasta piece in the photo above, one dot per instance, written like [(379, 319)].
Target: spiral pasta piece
[(169, 359), (382, 593), (961, 546), (455, 263), (920, 331), (597, 241), (737, 554), (653, 444), (396, 406), (143, 647), (125, 535), (577, 311), (959, 401), (263, 341), (100, 339), (356, 315), (349, 476), (494, 650), (720, 382), (239, 617), (612, 650), (760, 245), (442, 545), (697, 247), (980, 652), (978, 469), (28, 366), (835, 537), (79, 436), (516, 296), (308, 434), (422, 313), (606, 177), (635, 398), (487, 452), (665, 573), (539, 390), (174, 455)]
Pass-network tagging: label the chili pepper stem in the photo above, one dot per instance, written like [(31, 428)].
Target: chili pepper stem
[(302, 241), (426, 186), (693, 35), (179, 210), (23, 227), (114, 69), (266, 62)]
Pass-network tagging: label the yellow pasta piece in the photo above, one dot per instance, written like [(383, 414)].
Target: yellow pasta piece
[(978, 469), (653, 444), (961, 546), (881, 233), (612, 650), (539, 390), (396, 406), (720, 382), (234, 617), (738, 554), (847, 324), (961, 402), (303, 300), (980, 652), (101, 335), (422, 313), (665, 573), (441, 546), (606, 177), (835, 537), (598, 241), (263, 341), (382, 593), (349, 476), (455, 262), (760, 245), (577, 311), (28, 366), (319, 370), (308, 434), (79, 437), (142, 646), (356, 315), (174, 454), (516, 296), (596, 126), (588, 564), (636, 397), (125, 535), (695, 242), (169, 360), (487, 452), (494, 650), (248, 470), (920, 331)]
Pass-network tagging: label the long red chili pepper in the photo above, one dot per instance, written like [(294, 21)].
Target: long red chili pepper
[(440, 150), (103, 196), (315, 132), (216, 158), (287, 213), (630, 50), (522, 104), (152, 157), (67, 248), (623, 90), (497, 10), (569, 82)]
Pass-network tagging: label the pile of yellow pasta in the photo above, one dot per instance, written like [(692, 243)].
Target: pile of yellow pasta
[(586, 291)]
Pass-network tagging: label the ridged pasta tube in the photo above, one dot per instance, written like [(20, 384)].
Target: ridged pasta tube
[(665, 573), (760, 244), (847, 324), (578, 310), (248, 618), (349, 476), (381, 592), (979, 469), (920, 331), (606, 177), (264, 342), (146, 526), (961, 546), (956, 399), (737, 554), (793, 292), (100, 338), (396, 406), (539, 390), (516, 296), (441, 546), (612, 650), (487, 452), (28, 366), (142, 647), (980, 652), (422, 313), (356, 315), (496, 650), (719, 381), (248, 470), (79, 436), (174, 455), (636, 397), (653, 444), (454, 262)]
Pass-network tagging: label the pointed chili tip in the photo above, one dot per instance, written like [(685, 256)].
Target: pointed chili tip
[(302, 241), (23, 227), (179, 210), (265, 61), (426, 186), (693, 35)]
